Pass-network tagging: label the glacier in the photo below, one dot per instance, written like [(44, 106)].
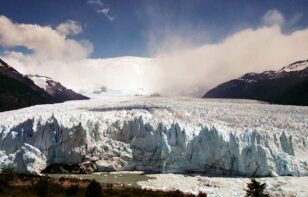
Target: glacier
[(165, 135)]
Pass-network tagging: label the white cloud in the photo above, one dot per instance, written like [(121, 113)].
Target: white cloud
[(195, 70), (273, 17), (101, 8), (181, 70), (126, 74), (44, 41), (96, 2), (105, 12), (70, 27)]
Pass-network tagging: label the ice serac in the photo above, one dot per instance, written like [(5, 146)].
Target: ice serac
[(27, 159), (158, 135)]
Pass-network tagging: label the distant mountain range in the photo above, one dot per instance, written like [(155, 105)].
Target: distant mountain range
[(18, 91), (288, 85)]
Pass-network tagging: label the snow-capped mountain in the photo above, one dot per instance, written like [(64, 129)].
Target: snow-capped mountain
[(17, 91), (56, 89), (288, 85), (296, 66)]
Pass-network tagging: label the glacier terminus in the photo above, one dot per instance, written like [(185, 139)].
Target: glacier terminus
[(178, 135)]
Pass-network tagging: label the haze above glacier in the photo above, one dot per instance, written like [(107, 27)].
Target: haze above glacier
[(176, 66)]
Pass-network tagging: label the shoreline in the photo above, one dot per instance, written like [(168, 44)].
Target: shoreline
[(160, 184), (26, 185)]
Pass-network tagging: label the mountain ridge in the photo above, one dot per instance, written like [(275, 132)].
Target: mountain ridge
[(19, 91), (289, 86), (56, 89)]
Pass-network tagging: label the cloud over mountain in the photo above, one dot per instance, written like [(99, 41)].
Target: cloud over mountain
[(185, 69)]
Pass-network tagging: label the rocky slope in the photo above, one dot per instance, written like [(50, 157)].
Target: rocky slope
[(158, 135), (17, 91), (56, 89), (286, 86)]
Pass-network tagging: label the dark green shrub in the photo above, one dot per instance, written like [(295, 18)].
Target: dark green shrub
[(72, 190), (94, 189), (176, 193), (202, 194), (62, 179), (256, 189), (2, 186), (41, 187), (7, 175)]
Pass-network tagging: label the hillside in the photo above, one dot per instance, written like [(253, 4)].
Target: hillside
[(18, 91), (288, 85)]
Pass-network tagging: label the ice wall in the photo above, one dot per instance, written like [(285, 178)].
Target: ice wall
[(126, 139)]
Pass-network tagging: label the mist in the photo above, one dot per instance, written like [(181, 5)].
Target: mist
[(193, 71), (177, 66)]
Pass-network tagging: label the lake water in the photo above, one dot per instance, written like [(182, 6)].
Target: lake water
[(126, 178)]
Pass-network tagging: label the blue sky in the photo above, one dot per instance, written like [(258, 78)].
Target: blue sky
[(139, 23)]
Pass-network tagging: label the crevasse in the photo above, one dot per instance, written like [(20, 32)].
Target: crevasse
[(126, 139)]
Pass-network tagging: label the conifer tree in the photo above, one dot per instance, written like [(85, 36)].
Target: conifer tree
[(256, 189)]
